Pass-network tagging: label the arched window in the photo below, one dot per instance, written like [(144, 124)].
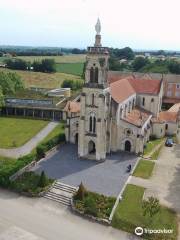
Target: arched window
[(94, 125), (90, 124), (96, 75), (143, 101), (92, 74), (166, 126), (152, 100)]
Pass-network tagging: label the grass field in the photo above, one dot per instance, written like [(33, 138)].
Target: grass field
[(129, 215), (44, 80), (71, 58), (144, 169), (15, 132), (70, 68)]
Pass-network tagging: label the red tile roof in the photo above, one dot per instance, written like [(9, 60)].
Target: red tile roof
[(137, 117), (146, 86), (123, 88), (73, 107), (165, 117)]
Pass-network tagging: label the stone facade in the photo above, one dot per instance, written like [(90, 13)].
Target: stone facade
[(115, 116)]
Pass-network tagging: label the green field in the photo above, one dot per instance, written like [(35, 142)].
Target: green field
[(15, 132), (129, 215), (144, 169), (70, 68), (71, 58)]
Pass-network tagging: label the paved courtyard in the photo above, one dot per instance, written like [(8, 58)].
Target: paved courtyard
[(107, 177)]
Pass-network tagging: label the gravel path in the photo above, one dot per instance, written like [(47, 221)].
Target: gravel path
[(30, 145)]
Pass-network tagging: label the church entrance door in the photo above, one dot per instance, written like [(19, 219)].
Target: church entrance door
[(127, 146), (91, 147)]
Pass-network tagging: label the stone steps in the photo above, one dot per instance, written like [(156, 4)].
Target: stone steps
[(61, 193), (58, 198), (64, 187)]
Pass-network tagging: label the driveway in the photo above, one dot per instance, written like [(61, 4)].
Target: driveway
[(107, 177)]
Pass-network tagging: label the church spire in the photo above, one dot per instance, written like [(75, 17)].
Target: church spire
[(98, 36)]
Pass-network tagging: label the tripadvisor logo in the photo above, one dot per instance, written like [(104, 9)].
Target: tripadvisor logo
[(139, 231)]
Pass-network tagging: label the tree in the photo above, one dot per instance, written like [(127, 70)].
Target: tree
[(81, 192), (17, 64), (42, 180), (10, 82), (123, 53), (174, 67), (74, 85), (46, 65), (150, 206), (139, 63), (1, 54)]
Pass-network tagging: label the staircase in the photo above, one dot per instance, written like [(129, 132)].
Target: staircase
[(61, 193)]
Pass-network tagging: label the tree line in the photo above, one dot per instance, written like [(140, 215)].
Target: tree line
[(45, 65)]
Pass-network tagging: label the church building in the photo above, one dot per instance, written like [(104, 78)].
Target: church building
[(114, 113)]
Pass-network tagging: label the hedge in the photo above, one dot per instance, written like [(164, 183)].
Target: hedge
[(11, 166), (41, 149)]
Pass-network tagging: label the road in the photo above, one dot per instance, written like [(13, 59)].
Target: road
[(40, 219), (30, 145)]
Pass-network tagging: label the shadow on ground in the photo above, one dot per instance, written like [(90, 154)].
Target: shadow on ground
[(107, 177)]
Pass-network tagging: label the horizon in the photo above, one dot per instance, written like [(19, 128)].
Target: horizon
[(69, 24)]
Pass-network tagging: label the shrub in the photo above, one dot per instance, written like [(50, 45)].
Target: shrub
[(90, 206), (40, 150), (81, 192), (151, 206), (42, 180)]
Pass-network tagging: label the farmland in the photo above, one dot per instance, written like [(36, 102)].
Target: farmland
[(44, 80), (71, 58), (70, 68)]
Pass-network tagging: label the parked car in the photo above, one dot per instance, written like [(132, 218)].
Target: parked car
[(169, 142)]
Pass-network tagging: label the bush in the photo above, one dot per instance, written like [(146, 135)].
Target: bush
[(41, 149), (11, 166), (90, 206), (74, 85), (42, 180)]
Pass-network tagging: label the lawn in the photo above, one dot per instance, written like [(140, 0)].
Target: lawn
[(144, 169), (70, 68), (151, 145), (129, 215), (15, 132)]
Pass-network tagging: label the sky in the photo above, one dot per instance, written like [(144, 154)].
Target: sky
[(139, 24)]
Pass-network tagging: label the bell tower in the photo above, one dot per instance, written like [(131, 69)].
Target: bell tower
[(94, 102)]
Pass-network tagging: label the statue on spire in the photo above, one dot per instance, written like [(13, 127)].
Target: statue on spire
[(98, 27)]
